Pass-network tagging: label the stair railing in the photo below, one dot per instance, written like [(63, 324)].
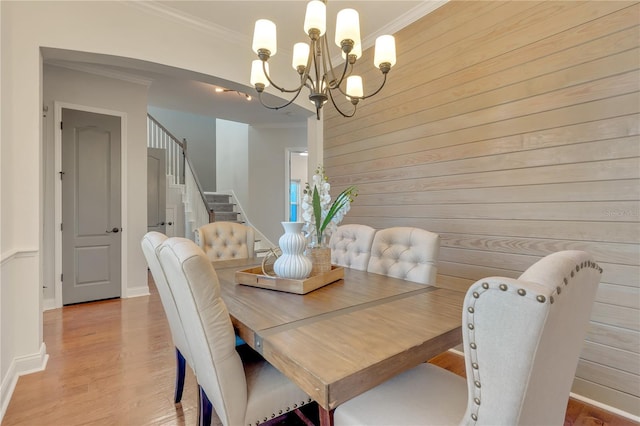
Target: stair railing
[(159, 137), (180, 169)]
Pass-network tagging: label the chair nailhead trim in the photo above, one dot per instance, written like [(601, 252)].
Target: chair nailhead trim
[(485, 286)]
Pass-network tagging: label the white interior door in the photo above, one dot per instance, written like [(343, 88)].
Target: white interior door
[(91, 218)]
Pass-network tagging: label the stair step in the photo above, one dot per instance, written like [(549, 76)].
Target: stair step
[(221, 207), (217, 198), (227, 216)]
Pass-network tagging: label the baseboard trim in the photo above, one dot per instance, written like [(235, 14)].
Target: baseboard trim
[(7, 387), (48, 304), (137, 291), (19, 367), (606, 407), (586, 400)]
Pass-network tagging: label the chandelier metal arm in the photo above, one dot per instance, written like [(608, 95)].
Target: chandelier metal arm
[(318, 63), (384, 81), (329, 69), (280, 106), (355, 106), (359, 98), (282, 89)]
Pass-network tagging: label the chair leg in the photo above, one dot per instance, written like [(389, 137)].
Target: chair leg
[(206, 409), (180, 372)]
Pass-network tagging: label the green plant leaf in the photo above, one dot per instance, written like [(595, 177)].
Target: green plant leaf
[(317, 212), (343, 198)]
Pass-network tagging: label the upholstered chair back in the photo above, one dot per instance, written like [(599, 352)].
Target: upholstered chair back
[(226, 240), (522, 340), (405, 252), (351, 246), (150, 244), (208, 328)]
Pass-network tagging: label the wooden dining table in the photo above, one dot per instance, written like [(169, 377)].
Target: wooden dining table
[(343, 339)]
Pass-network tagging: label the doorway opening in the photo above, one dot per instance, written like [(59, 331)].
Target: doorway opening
[(297, 166)]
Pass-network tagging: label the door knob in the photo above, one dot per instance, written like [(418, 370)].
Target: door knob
[(114, 230), (169, 223)]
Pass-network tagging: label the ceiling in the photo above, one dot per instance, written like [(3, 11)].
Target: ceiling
[(183, 90)]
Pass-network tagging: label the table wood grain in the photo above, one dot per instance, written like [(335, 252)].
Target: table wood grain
[(347, 337)]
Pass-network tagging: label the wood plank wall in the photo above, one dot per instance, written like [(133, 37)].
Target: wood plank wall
[(512, 130)]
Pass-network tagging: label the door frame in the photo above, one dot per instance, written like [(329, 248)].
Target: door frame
[(57, 117), (287, 176)]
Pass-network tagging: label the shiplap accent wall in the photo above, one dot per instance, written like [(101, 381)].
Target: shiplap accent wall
[(512, 130)]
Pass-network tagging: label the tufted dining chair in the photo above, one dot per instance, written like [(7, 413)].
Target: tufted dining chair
[(150, 243), (351, 246), (405, 252), (241, 393), (226, 240), (522, 340)]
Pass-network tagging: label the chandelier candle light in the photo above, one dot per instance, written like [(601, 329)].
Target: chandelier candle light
[(313, 63)]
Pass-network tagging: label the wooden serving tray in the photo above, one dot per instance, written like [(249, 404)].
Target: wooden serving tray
[(255, 278)]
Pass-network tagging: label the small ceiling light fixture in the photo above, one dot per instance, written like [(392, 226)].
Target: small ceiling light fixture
[(313, 63)]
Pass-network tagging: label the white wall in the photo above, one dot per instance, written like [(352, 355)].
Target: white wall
[(3, 309), (232, 166), (200, 132), (267, 165), (88, 90)]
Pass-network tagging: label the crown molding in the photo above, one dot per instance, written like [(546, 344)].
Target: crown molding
[(194, 22), (101, 71), (422, 9)]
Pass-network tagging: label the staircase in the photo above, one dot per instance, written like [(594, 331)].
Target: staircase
[(184, 189), (222, 207), (227, 210)]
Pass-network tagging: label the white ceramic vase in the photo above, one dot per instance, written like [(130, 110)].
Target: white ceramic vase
[(292, 263)]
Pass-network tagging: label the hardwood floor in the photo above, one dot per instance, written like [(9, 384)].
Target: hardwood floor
[(112, 363)]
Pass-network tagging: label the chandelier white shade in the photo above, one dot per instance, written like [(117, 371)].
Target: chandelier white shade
[(312, 60), (258, 77), (316, 17), (264, 36)]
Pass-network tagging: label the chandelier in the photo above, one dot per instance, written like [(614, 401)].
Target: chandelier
[(313, 62)]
